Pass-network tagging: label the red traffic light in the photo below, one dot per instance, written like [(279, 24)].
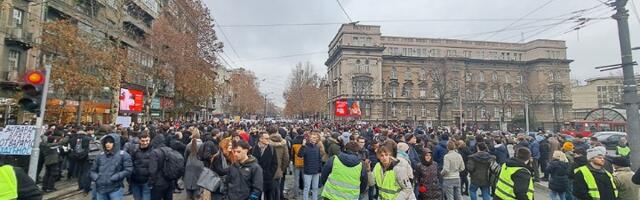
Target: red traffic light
[(34, 77)]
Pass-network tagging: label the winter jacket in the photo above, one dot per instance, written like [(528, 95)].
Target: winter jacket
[(427, 178), (298, 162), (627, 190), (554, 145), (111, 168), (453, 165), (603, 182), (349, 160), (51, 151), (578, 161), (333, 147), (193, 168), (312, 158), (478, 167), (441, 150), (157, 178), (141, 160), (520, 179), (414, 157), (523, 143), (282, 154), (244, 180), (80, 147), (404, 164), (534, 146), (177, 145), (268, 161), (402, 179), (501, 153), (559, 175), (545, 150)]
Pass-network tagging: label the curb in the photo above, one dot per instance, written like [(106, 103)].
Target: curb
[(540, 186), (65, 188)]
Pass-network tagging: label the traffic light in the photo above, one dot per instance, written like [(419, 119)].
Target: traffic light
[(32, 91)]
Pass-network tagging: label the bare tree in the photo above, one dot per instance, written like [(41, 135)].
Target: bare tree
[(443, 90), (305, 94)]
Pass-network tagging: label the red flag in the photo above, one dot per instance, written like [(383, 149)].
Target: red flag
[(342, 108)]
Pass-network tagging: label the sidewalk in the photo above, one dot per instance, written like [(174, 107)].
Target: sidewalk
[(66, 188)]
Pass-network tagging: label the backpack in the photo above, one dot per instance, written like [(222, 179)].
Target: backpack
[(173, 167)]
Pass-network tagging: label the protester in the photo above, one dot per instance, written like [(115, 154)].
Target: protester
[(592, 181), (453, 164), (344, 176), (281, 147), (244, 179), (16, 184), (516, 178), (427, 176), (111, 167), (391, 179), (312, 155), (194, 166), (478, 167), (623, 174), (558, 171), (622, 149), (140, 176)]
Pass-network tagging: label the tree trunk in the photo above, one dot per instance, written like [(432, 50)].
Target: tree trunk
[(79, 110)]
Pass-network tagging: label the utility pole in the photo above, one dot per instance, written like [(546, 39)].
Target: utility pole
[(526, 116), (630, 93), (35, 151)]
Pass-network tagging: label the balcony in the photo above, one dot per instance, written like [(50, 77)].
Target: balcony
[(137, 23), (19, 36)]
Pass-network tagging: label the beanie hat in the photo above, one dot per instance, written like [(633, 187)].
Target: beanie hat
[(567, 146), (404, 147), (596, 151)]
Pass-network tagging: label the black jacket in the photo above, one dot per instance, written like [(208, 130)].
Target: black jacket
[(268, 161), (520, 179), (79, 152), (478, 167), (603, 182), (559, 172), (27, 189), (312, 158), (141, 161), (349, 160), (244, 180), (156, 163)]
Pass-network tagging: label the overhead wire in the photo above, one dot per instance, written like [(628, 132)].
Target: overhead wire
[(526, 15), (226, 38), (344, 11), (580, 23)]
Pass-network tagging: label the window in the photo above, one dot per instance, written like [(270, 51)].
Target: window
[(16, 20), (407, 74), (519, 79), (13, 60), (406, 90), (451, 53), (496, 112), (506, 78), (408, 107), (494, 76), (394, 73), (434, 52), (423, 110), (508, 115), (481, 76), (423, 91), (496, 94), (367, 109), (394, 91), (481, 94), (467, 77), (467, 54), (483, 113), (393, 110)]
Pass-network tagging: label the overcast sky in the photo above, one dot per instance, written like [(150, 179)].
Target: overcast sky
[(272, 51)]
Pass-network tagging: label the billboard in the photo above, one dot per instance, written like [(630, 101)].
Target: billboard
[(347, 108), (131, 100)]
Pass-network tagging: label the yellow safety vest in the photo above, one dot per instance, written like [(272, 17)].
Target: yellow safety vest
[(386, 183), (504, 187), (623, 151), (591, 182), (8, 183), (343, 182)]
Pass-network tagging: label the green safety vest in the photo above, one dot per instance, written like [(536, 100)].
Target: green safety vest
[(591, 182), (8, 183), (623, 151), (387, 185), (504, 187), (343, 182)]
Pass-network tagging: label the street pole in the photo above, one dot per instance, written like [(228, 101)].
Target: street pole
[(35, 151), (630, 94), (526, 116)]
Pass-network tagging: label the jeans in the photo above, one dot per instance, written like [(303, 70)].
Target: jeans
[(473, 189), (568, 195), (311, 183), (141, 191), (297, 173), (373, 193), (557, 195), (452, 189), (271, 191), (115, 195)]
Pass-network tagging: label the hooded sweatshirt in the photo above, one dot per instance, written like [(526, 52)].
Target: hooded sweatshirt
[(280, 145), (111, 168), (244, 179)]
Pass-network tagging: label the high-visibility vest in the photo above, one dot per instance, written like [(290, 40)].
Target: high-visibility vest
[(8, 183), (387, 185), (343, 182), (623, 151), (504, 187), (594, 193)]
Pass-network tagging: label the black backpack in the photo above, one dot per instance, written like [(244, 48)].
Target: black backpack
[(173, 167)]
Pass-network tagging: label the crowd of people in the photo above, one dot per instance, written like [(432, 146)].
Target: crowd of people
[(239, 161)]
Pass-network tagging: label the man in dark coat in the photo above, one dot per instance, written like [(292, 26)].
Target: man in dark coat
[(162, 188), (244, 179), (522, 177), (478, 167), (602, 178), (268, 160), (140, 177)]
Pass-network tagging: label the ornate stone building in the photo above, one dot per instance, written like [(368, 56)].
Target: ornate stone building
[(420, 80)]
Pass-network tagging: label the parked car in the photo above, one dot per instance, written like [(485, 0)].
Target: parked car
[(609, 138)]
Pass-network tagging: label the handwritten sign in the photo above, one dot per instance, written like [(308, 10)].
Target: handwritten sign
[(17, 140)]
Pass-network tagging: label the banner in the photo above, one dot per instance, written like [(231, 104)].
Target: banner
[(342, 108), (17, 140), (354, 109)]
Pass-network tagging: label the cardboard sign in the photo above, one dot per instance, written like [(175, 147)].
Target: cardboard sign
[(17, 140)]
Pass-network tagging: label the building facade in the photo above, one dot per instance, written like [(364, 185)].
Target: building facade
[(597, 93), (451, 82)]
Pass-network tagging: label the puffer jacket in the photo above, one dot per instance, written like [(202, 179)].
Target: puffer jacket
[(501, 153), (244, 179), (111, 168), (559, 175), (441, 150), (478, 167), (312, 158), (141, 159), (427, 176), (298, 162), (280, 145)]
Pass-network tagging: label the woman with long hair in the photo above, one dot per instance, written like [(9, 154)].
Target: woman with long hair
[(194, 165), (559, 171)]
